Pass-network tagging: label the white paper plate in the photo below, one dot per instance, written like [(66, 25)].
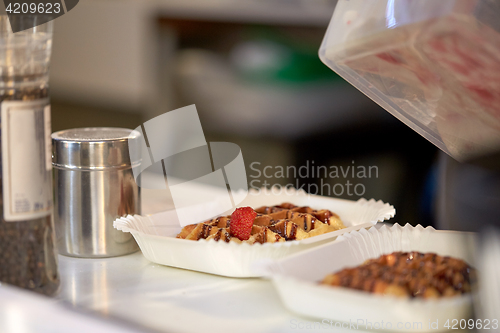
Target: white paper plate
[(155, 235), (296, 279)]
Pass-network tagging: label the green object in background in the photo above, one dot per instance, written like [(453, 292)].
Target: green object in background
[(272, 57), (303, 67)]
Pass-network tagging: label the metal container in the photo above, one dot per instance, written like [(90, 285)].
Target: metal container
[(93, 185)]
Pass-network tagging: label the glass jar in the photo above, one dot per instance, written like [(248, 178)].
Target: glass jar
[(27, 257)]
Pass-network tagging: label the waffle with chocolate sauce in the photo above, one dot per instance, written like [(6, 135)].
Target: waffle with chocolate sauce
[(285, 222), (407, 274)]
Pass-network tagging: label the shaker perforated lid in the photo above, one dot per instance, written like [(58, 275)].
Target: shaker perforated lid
[(93, 148)]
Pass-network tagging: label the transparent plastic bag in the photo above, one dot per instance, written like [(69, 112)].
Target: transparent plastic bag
[(435, 65)]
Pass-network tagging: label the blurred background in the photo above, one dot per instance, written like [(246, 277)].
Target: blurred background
[(253, 71)]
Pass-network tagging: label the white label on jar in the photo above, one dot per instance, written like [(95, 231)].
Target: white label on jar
[(48, 138), (26, 173)]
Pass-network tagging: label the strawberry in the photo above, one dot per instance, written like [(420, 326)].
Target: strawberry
[(241, 222)]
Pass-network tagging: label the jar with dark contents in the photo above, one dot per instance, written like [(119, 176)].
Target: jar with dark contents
[(27, 257)]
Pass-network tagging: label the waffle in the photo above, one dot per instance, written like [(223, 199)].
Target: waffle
[(273, 224), (407, 274)]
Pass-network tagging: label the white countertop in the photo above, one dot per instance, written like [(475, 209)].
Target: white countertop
[(129, 294), (172, 300)]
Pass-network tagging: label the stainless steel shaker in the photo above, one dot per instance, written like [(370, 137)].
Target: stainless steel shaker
[(93, 185)]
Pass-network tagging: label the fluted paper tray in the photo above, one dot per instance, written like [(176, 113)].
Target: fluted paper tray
[(296, 279), (155, 235)]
